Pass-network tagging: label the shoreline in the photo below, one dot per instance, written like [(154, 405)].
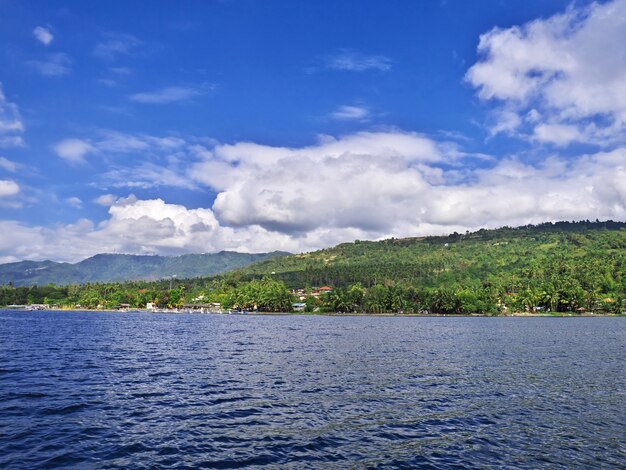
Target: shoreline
[(334, 314)]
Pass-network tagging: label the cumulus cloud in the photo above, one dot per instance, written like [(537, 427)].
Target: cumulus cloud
[(397, 184), (372, 184), (368, 185), (297, 189), (73, 150), (43, 35), (309, 198), (514, 193), (54, 65), (172, 94), (11, 125), (565, 70), (135, 226)]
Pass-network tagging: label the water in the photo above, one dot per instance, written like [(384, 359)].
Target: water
[(129, 390)]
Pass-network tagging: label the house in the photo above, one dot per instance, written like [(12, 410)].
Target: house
[(299, 293), (214, 307), (39, 306)]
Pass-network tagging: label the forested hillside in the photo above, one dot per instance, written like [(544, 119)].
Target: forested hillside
[(554, 266), (592, 253)]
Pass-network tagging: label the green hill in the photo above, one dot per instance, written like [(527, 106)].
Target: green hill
[(574, 261), (115, 267)]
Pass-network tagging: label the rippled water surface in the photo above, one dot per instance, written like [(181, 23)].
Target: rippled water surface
[(131, 390)]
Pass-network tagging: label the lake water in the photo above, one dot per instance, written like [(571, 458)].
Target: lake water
[(131, 390)]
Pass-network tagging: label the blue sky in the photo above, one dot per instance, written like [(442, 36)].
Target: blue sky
[(154, 127)]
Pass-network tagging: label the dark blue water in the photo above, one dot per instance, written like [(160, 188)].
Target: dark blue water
[(106, 390)]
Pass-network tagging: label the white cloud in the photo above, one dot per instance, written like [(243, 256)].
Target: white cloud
[(351, 113), (43, 35), (8, 188), (147, 175), (392, 184), (161, 159), (367, 185), (55, 65), (106, 200), (355, 61), (10, 195), (8, 165), (505, 121), (300, 203), (172, 94), (11, 125), (73, 150), (122, 143), (74, 202), (136, 226), (565, 70), (558, 134), (296, 189), (115, 45), (11, 141)]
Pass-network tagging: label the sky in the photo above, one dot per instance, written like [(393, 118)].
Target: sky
[(158, 127)]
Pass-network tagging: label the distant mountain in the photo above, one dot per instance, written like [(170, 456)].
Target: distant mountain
[(114, 267)]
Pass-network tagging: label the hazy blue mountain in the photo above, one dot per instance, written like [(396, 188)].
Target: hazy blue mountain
[(114, 267)]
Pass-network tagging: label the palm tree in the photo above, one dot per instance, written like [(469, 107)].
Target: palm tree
[(529, 298), (551, 296)]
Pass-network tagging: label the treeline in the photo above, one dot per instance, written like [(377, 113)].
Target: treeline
[(270, 295), (264, 295), (458, 300)]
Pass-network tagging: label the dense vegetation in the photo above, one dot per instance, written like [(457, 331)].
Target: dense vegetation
[(116, 267), (550, 267)]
